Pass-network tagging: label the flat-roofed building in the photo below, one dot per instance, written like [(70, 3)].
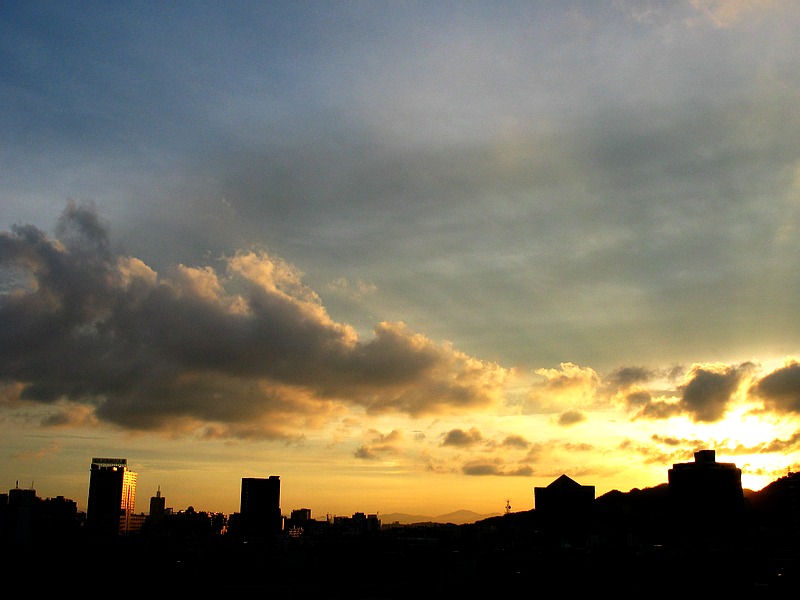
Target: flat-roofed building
[(112, 497), (706, 500)]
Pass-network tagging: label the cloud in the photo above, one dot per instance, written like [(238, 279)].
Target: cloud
[(784, 446), (569, 384), (568, 376), (709, 391), (515, 441), (780, 390), (578, 447), (624, 377), (658, 409), (571, 417), (481, 455), (682, 449), (705, 396), (637, 399), (725, 13), (354, 290), (495, 467), (379, 444), (459, 437), (719, 13), (244, 345), (40, 454)]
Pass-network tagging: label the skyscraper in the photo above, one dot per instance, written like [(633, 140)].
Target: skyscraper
[(157, 507), (112, 497), (261, 506)]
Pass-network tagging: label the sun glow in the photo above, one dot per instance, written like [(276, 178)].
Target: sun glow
[(746, 439)]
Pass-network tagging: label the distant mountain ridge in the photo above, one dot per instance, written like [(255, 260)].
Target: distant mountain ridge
[(770, 498), (459, 517)]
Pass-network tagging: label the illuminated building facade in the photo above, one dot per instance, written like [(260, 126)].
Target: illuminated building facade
[(112, 497)]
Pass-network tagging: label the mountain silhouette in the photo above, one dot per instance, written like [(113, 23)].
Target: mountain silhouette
[(458, 517)]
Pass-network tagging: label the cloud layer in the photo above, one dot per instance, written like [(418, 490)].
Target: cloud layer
[(250, 350), (247, 350), (411, 239)]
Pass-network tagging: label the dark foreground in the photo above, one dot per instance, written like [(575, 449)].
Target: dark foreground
[(397, 566)]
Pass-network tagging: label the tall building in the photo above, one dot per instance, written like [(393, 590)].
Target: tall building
[(706, 486), (21, 515), (260, 509), (158, 506), (112, 497), (706, 499)]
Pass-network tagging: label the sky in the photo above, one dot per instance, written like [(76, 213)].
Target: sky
[(408, 256)]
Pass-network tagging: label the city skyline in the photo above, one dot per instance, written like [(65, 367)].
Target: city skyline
[(411, 257), (269, 489)]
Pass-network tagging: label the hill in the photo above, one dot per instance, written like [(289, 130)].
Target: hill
[(459, 517)]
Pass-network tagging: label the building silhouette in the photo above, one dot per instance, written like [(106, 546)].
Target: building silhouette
[(684, 536), (564, 509), (20, 515), (299, 522), (563, 496), (706, 487), (112, 497), (158, 507), (260, 507), (27, 520), (706, 499)]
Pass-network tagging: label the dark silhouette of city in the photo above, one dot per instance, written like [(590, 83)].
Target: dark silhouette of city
[(699, 533)]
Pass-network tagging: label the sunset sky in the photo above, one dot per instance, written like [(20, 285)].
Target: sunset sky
[(409, 256)]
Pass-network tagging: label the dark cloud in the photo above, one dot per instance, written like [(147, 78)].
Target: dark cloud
[(82, 231), (704, 397), (246, 344), (783, 446), (776, 446), (670, 441), (708, 392), (627, 376), (571, 417), (515, 441), (365, 453), (496, 468), (780, 390), (659, 409), (459, 437), (637, 400)]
